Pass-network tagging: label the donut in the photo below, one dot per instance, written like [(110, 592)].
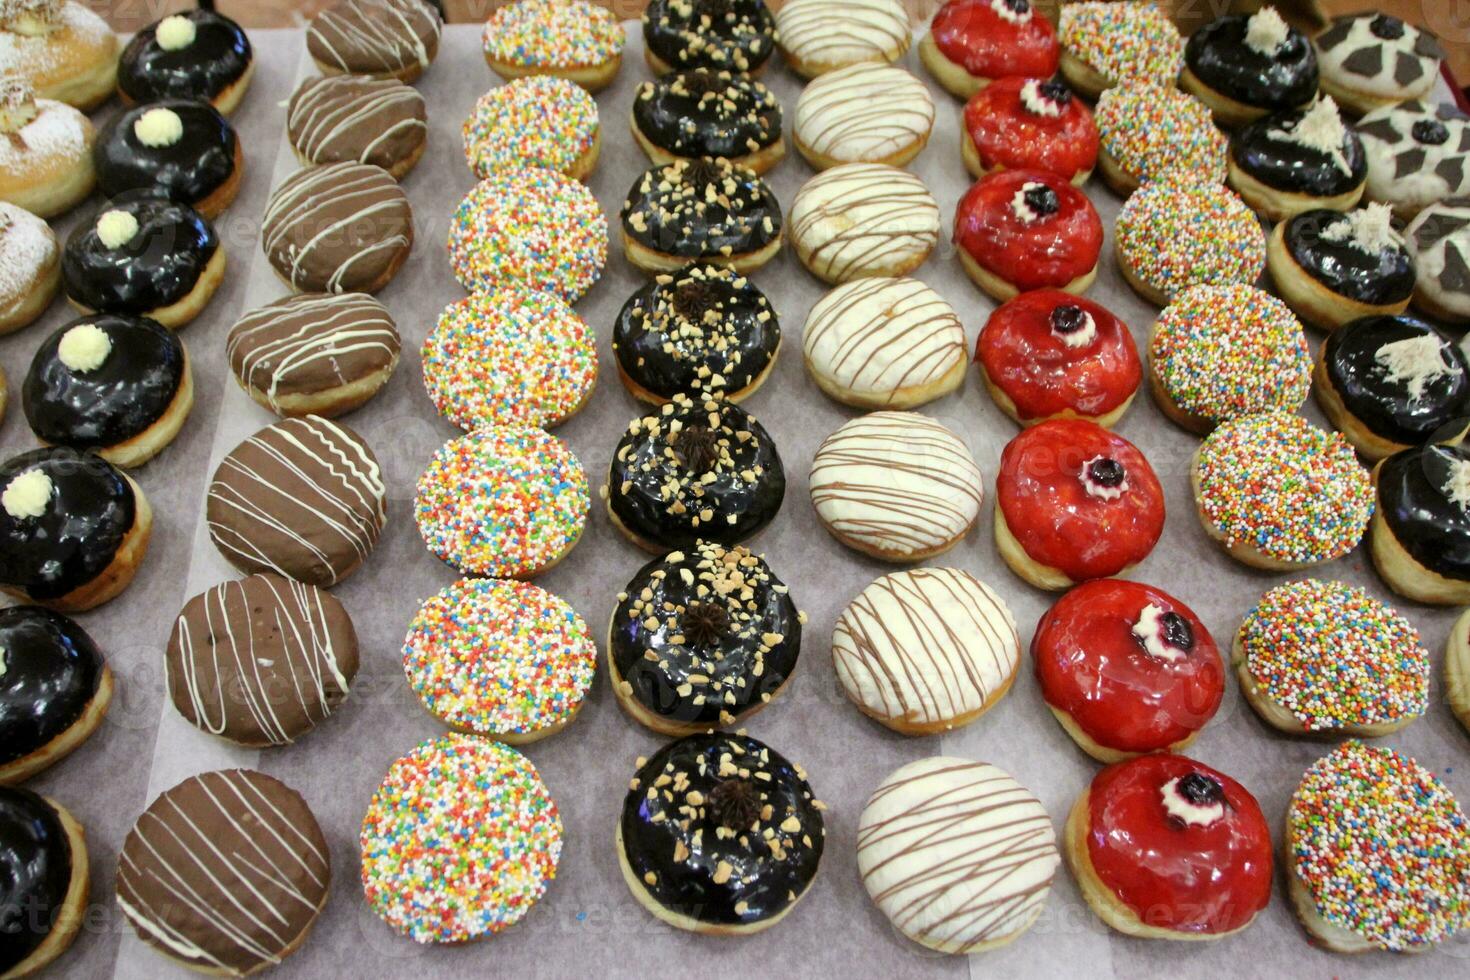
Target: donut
[(1391, 382), (1127, 669), (704, 210), (884, 343), (1279, 494), (53, 694), (708, 113), (696, 470), (1297, 160), (863, 219), (144, 256), (816, 36), (194, 54), (502, 659), (429, 879), (174, 148), (971, 43), (1376, 852), (1457, 669), (44, 869), (63, 50), (702, 638), (115, 384), (1222, 352), (314, 353), (864, 113), (30, 267), (381, 38), (214, 838), (1049, 354), (1333, 268), (1326, 658), (1073, 502), (509, 356), (337, 228), (502, 502), (1245, 66), (738, 35), (46, 157), (1176, 234), (303, 498), (535, 121), (1029, 124), (897, 486), (572, 39), (532, 226), (1372, 60), (73, 529), (1421, 527), (956, 854), (1105, 43), (1147, 129), (926, 651), (1439, 242), (705, 328), (1020, 230), (1164, 847), (720, 834), (355, 119), (1417, 155)]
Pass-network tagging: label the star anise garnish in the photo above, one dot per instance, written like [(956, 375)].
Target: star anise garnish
[(704, 623), (698, 447), (693, 298), (702, 172), (735, 804)]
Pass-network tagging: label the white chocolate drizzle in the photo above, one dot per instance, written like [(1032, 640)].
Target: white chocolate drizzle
[(1414, 362), (1320, 129)]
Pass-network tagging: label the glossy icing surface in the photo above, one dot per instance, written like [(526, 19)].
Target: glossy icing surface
[(51, 671), (1219, 56), (1265, 151), (1007, 132), (707, 113), (1418, 498), (157, 267), (188, 170), (1402, 408), (35, 873), (702, 208), (1379, 277), (1054, 240), (216, 58), (734, 34), (996, 38)]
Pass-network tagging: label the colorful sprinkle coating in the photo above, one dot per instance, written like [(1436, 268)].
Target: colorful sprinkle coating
[(553, 34), (1176, 232), (1382, 846), (533, 226), (1333, 656), (496, 657), (1151, 129), (509, 356), (503, 502), (1279, 484), (1123, 41), (459, 841), (1225, 351), (536, 121)]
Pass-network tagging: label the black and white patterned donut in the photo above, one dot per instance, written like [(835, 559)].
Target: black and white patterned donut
[(1439, 240), (1418, 154), (1369, 60)]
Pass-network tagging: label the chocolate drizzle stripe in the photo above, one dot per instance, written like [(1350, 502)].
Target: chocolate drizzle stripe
[(361, 35), (339, 115), (278, 348), (318, 211)]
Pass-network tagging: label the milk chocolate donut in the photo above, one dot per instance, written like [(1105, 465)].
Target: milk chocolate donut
[(352, 119), (381, 38)]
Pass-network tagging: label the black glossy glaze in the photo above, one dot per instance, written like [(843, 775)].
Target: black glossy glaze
[(1385, 407), (668, 211), (1414, 503), (114, 402), (711, 656), (35, 873), (52, 670), (159, 267), (738, 34), (679, 331), (654, 457), (706, 113), (218, 57), (677, 858), (189, 170), (1287, 166), (1380, 279), (90, 513), (1218, 56)]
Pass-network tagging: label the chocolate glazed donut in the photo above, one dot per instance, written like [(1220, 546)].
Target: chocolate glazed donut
[(216, 58), (191, 168), (1415, 500), (1286, 165), (705, 113), (1389, 406), (670, 210), (735, 34), (158, 266), (53, 671), (35, 873), (1336, 262), (1218, 56)]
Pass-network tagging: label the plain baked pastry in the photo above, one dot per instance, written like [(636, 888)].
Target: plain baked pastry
[(355, 119), (1176, 233), (1296, 160), (863, 219), (1022, 230), (864, 113), (1332, 268), (1439, 240), (1416, 155), (971, 43), (193, 54), (30, 267), (1371, 60), (53, 694), (45, 876), (738, 35), (46, 156), (177, 148), (381, 38), (1106, 43), (337, 228), (534, 121), (1147, 129), (572, 39), (702, 210), (61, 48), (708, 113), (817, 36), (1245, 66)]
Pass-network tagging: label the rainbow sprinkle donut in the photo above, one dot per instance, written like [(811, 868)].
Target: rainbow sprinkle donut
[(1110, 42), (459, 841), (552, 34), (1327, 657), (1176, 232), (536, 121), (1379, 852), (503, 502), (1281, 493), (509, 356), (533, 226), (1147, 129), (504, 659)]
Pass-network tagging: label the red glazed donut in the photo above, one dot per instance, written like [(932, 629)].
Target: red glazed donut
[(1164, 847), (972, 42), (1049, 354), (1029, 124), (1075, 502), (1127, 669), (1020, 230)]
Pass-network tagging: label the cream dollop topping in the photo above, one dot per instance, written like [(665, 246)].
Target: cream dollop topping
[(1266, 32), (1098, 490), (1037, 103), (1191, 814), (175, 33), (116, 228), (84, 347), (1008, 13), (27, 494), (159, 127), (1150, 632)]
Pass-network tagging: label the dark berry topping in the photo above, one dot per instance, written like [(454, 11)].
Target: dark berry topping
[(1042, 200), (1106, 472), (1386, 27), (735, 804), (1055, 90), (704, 623), (1201, 790), (693, 298), (1068, 319), (1431, 132), (703, 171), (703, 82), (1177, 631), (699, 447), (1017, 6)]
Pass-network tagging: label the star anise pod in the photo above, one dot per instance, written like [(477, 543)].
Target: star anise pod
[(704, 623), (693, 298), (735, 804), (698, 447)]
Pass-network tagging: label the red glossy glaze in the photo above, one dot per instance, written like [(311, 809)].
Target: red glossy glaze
[(1188, 878), (1030, 361), (973, 35), (1008, 136), (1047, 253), (1091, 666), (1057, 522)]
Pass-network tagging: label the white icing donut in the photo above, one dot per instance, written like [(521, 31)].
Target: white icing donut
[(1350, 53), (1439, 241), (824, 36), (864, 219), (1417, 155), (864, 113)]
